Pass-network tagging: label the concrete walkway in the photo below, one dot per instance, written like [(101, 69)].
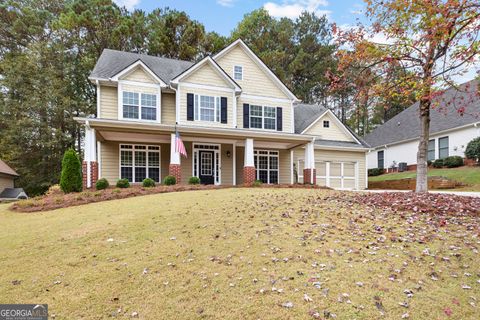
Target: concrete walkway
[(457, 193)]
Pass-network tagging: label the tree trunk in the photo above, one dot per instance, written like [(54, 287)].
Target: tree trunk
[(422, 167)]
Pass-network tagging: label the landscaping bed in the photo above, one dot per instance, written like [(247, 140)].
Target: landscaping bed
[(58, 199)]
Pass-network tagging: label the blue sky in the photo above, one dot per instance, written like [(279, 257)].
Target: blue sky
[(223, 15)]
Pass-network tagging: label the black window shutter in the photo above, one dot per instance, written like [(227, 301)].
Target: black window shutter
[(246, 115), (223, 109), (279, 119), (190, 106)]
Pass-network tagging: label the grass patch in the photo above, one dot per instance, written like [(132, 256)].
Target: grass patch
[(467, 175), (238, 254)]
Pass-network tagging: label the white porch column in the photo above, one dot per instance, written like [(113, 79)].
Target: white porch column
[(249, 162), (174, 155), (309, 174), (90, 166), (249, 172)]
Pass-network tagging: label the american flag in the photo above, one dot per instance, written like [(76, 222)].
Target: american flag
[(179, 146)]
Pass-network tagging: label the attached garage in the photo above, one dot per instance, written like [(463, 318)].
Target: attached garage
[(343, 170)]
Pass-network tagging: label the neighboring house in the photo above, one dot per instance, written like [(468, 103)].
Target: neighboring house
[(7, 176), (238, 121), (397, 140)]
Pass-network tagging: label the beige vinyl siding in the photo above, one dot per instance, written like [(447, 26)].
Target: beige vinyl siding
[(227, 164), (168, 108), (287, 111), (336, 156), (110, 161), (240, 158), (334, 132), (205, 92), (140, 89), (5, 182), (284, 167), (108, 102), (207, 75), (255, 80), (186, 163), (139, 75)]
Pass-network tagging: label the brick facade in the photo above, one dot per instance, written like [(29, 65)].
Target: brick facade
[(307, 177), (176, 171), (249, 175), (93, 173)]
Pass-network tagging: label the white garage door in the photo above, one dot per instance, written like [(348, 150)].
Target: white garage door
[(337, 175)]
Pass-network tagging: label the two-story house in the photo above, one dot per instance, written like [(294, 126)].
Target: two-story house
[(238, 122)]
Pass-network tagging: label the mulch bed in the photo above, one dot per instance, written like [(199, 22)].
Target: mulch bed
[(60, 200), (432, 203)]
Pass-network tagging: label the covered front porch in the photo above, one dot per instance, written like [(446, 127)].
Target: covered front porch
[(133, 151)]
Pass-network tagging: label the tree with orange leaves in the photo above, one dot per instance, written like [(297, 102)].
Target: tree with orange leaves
[(433, 41)]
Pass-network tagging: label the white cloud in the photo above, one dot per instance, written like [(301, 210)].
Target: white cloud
[(293, 8), (129, 4), (226, 3)]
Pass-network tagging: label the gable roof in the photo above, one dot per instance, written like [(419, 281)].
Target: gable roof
[(112, 62), (307, 114), (260, 63), (13, 193), (216, 67), (406, 125), (5, 169)]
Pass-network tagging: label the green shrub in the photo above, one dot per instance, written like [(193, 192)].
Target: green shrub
[(123, 183), (194, 180), (453, 162), (473, 149), (71, 178), (148, 183), (438, 163), (257, 183), (375, 172), (102, 184), (169, 181)]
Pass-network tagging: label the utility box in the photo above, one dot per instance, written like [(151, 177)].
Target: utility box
[(402, 166)]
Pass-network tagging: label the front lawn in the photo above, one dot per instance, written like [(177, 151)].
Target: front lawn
[(467, 175), (246, 253)]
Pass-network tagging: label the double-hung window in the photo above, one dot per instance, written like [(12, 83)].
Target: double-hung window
[(207, 108), (442, 147), (266, 166), (263, 117), (238, 72), (380, 159), (138, 162), (431, 150), (139, 106)]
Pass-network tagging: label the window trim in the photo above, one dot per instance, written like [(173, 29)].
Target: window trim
[(262, 117), (139, 92), (147, 146), (383, 159), (271, 154), (440, 148), (217, 108), (235, 72), (431, 150)]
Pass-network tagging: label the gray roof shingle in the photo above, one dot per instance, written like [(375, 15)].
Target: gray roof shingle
[(112, 62), (445, 116), (336, 143), (13, 193)]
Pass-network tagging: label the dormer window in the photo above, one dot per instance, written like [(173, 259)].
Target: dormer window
[(238, 72), (326, 124)]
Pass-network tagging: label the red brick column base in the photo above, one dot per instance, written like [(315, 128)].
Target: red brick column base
[(93, 173), (249, 175), (84, 174), (307, 177), (176, 171)]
